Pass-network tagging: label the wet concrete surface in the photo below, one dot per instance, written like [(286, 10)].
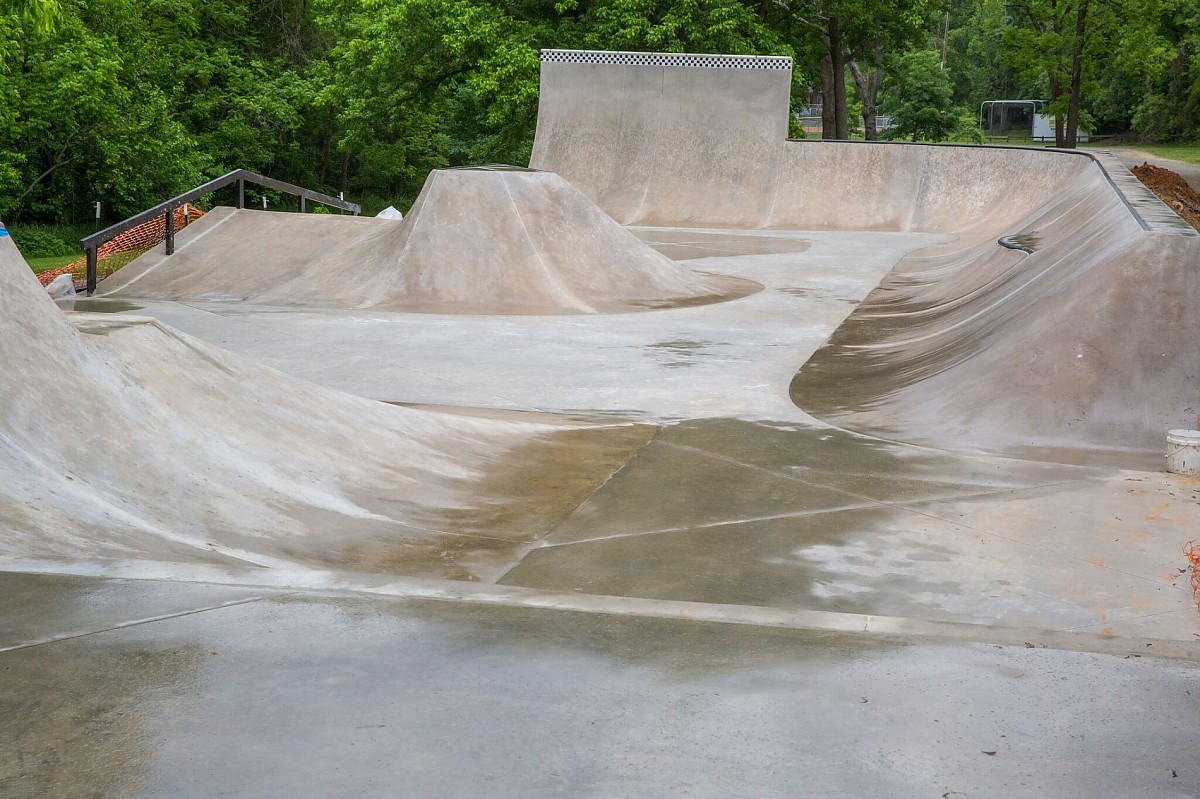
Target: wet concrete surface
[(744, 601), (751, 514), (734, 496), (98, 305), (621, 364), (345, 696)]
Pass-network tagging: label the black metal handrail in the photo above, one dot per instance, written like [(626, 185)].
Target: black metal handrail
[(166, 209)]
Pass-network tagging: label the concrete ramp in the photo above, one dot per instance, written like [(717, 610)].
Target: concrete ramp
[(1078, 346), (486, 241), (665, 138), (662, 139), (1076, 340), (122, 438)]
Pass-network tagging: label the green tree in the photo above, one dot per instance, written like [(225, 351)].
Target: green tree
[(42, 16), (1061, 43), (79, 127), (1164, 73), (833, 36), (918, 97)]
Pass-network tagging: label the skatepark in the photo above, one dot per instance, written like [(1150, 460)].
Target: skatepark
[(691, 460)]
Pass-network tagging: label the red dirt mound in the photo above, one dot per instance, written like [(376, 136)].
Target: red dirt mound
[(1171, 189)]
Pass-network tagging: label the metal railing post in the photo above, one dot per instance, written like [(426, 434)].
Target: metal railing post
[(241, 201), (170, 231), (91, 271), (301, 203)]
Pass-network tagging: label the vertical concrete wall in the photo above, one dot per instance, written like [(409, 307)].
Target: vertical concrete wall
[(692, 140), (662, 138)]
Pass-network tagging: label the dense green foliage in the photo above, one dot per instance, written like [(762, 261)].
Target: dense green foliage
[(131, 101), (918, 95)]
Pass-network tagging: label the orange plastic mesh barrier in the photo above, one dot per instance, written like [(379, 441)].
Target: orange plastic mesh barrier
[(122, 249), (1192, 550)]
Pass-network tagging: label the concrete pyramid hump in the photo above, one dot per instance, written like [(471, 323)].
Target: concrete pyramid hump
[(483, 240), (515, 239)]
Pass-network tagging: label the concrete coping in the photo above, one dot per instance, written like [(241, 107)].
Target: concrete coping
[(490, 168), (1157, 215)]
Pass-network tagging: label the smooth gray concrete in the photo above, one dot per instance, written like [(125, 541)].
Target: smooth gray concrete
[(737, 497), (343, 696), (726, 359), (124, 438)]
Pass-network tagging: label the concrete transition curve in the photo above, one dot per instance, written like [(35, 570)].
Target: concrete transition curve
[(122, 438), (480, 240), (1081, 336)]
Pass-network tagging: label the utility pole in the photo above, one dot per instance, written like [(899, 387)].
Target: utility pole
[(945, 39)]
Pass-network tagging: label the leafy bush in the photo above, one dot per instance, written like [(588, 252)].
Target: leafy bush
[(40, 241)]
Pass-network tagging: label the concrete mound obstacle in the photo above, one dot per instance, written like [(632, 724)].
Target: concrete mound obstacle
[(122, 438), (496, 240), (1083, 348)]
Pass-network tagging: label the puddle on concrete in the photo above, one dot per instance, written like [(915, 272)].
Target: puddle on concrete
[(679, 352), (1026, 242), (519, 498), (814, 294), (65, 715), (736, 512), (98, 305)]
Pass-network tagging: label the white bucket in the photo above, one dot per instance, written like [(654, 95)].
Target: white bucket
[(1183, 451)]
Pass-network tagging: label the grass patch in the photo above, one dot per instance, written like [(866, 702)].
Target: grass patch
[(1188, 153), (48, 262), (1176, 152)]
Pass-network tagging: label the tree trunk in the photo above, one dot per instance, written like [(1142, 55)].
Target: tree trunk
[(828, 102), (834, 118), (838, 57), (868, 90), (1060, 139), (1076, 75)]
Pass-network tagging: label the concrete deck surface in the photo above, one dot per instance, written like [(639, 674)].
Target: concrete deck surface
[(267, 694)]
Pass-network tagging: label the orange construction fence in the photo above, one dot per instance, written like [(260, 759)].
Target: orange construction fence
[(123, 248)]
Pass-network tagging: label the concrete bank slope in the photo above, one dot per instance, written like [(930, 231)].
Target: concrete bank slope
[(1063, 316), (488, 240), (1080, 344), (126, 439)]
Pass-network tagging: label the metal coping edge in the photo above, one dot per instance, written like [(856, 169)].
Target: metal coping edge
[(640, 59)]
